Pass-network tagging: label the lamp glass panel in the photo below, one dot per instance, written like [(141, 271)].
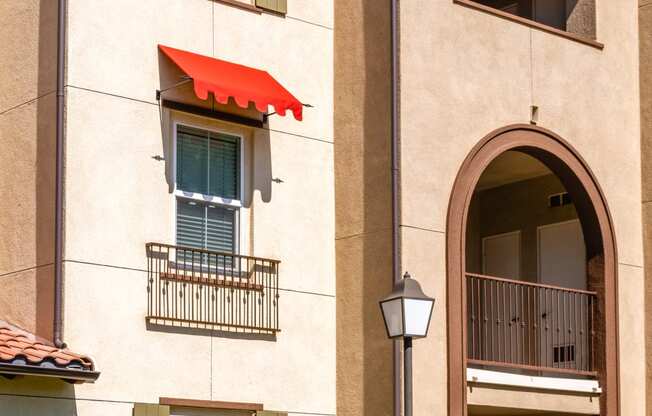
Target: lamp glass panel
[(417, 316), (393, 317)]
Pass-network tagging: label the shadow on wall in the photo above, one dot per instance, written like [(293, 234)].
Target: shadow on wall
[(45, 167), (49, 397), (196, 330), (377, 252), (258, 153), (363, 205)]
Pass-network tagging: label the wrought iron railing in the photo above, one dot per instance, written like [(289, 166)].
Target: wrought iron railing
[(213, 290), (530, 327)]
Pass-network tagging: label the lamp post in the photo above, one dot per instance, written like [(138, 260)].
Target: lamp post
[(407, 312)]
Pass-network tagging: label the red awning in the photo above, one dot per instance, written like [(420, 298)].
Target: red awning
[(226, 79)]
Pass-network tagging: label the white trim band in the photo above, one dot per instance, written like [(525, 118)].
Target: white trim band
[(476, 375)]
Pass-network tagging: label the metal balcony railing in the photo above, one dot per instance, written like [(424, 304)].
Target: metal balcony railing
[(530, 327), (213, 290)]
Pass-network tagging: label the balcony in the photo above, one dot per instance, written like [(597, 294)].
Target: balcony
[(212, 290), (528, 327)]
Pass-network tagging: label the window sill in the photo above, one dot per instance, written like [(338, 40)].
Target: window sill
[(530, 23), (208, 199)]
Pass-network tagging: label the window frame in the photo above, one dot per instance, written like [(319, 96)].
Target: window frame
[(241, 224), (473, 4)]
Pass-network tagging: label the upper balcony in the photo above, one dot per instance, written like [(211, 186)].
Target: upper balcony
[(533, 295), (213, 290)]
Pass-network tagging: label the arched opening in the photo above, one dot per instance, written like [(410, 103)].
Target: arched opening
[(531, 266)]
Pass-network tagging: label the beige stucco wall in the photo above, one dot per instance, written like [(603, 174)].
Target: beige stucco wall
[(645, 35), (362, 184), (471, 73), (118, 198), (483, 398), (27, 108)]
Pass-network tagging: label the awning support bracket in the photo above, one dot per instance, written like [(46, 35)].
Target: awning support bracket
[(184, 80)]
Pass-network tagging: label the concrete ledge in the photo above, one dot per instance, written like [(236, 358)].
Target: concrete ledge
[(489, 390), (476, 375)]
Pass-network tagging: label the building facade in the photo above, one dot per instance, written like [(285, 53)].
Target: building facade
[(520, 194), (645, 36), (151, 165), (227, 225)]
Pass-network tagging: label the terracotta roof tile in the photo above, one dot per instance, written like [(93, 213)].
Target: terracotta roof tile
[(16, 343)]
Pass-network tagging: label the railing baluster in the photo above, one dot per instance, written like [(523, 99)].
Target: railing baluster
[(472, 314), (510, 317), (491, 322), (528, 325), (503, 322), (584, 334), (521, 322)]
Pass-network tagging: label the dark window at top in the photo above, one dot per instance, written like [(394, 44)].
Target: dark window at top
[(549, 12)]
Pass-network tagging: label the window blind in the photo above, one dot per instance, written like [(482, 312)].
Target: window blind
[(191, 224), (220, 228), (208, 163), (224, 169), (192, 160), (205, 226)]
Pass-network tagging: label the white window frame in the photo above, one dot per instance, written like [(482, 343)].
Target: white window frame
[(241, 223)]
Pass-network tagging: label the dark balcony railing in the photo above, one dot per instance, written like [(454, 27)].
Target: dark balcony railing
[(213, 290), (530, 327)]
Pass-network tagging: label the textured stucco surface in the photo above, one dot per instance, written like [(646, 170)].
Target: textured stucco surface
[(363, 218), (471, 73), (118, 198), (464, 74), (483, 397), (645, 35), (27, 105)]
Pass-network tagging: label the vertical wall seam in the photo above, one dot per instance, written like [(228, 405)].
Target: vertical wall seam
[(531, 71)]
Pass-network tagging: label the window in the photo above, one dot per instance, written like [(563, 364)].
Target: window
[(208, 191), (548, 12), (573, 16)]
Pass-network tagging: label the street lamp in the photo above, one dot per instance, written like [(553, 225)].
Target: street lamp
[(407, 312)]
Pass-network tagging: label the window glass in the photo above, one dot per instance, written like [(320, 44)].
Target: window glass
[(208, 163), (548, 12), (192, 160), (224, 157)]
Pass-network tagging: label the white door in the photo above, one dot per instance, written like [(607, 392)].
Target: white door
[(501, 255), (562, 255), (562, 262)]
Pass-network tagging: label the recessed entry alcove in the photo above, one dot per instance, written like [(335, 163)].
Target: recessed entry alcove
[(531, 267)]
